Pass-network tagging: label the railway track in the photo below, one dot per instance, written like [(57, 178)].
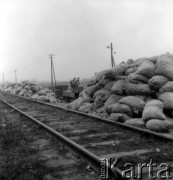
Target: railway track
[(27, 152), (95, 138)]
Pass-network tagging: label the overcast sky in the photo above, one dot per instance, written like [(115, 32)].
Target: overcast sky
[(77, 32)]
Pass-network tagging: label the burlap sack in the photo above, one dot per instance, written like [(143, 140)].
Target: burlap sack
[(118, 87), (167, 99), (156, 82), (119, 117), (146, 68), (92, 89), (167, 87), (113, 99), (164, 66), (76, 104), (86, 107), (136, 104), (137, 89), (104, 94), (137, 78), (120, 108), (137, 122), (158, 125)]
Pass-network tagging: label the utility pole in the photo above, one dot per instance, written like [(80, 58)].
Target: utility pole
[(15, 71), (53, 78), (3, 78), (112, 57)]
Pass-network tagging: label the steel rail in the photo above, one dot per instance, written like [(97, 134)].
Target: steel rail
[(140, 130), (115, 174)]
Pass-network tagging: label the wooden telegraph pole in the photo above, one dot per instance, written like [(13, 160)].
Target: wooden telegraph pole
[(112, 57), (15, 71), (53, 78), (3, 78)]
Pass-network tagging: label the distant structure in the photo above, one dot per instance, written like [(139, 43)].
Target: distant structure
[(53, 78), (112, 57)]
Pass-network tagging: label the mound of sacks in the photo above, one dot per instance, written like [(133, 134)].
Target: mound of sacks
[(30, 90), (137, 92)]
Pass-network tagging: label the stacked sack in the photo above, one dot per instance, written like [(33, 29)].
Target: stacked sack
[(128, 91), (163, 82), (30, 90), (154, 117)]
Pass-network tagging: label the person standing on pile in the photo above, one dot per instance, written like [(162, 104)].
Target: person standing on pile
[(77, 84), (73, 84)]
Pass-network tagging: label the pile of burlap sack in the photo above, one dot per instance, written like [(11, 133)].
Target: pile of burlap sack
[(137, 92), (30, 90)]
